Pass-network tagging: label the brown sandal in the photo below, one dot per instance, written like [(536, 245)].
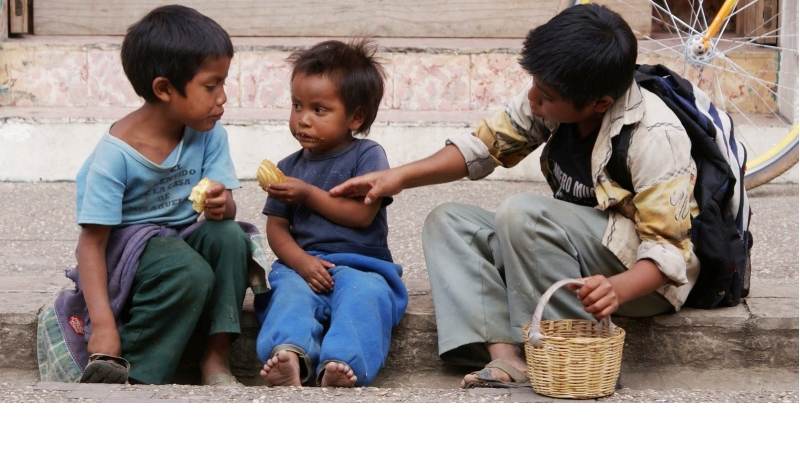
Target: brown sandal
[(486, 379)]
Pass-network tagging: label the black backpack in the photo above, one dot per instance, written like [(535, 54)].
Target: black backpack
[(720, 233)]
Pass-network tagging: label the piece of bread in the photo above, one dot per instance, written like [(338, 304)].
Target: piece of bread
[(198, 195), (268, 173)]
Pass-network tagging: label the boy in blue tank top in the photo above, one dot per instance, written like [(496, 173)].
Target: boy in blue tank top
[(336, 294)]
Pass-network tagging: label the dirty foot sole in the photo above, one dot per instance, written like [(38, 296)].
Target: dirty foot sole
[(283, 369)]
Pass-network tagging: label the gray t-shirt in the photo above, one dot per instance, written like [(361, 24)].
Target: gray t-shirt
[(314, 232)]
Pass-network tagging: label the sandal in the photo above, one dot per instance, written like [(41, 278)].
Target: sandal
[(486, 379), (104, 368)]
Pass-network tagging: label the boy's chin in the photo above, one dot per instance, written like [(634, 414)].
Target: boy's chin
[(206, 125)]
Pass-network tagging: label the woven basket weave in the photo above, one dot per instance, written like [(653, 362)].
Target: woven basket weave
[(572, 358)]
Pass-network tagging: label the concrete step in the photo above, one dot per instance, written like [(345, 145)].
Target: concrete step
[(761, 333)]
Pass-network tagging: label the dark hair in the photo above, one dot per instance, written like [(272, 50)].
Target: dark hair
[(585, 52), (171, 41), (355, 70)]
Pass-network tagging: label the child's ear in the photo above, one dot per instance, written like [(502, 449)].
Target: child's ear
[(602, 104), (162, 89), (356, 120)]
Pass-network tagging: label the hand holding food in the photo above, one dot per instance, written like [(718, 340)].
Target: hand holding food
[(268, 173), (198, 195)]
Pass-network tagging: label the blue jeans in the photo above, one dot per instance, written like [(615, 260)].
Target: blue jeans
[(351, 324)]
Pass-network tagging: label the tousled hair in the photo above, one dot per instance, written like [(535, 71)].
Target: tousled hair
[(354, 69), (584, 53)]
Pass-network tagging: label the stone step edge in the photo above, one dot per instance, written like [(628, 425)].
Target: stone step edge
[(263, 116), (233, 116), (754, 313), (385, 44), (729, 341)]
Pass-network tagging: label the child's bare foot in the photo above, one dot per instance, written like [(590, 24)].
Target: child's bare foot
[(338, 375), (214, 368), (283, 369)]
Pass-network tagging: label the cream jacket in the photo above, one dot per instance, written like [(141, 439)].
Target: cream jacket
[(654, 222)]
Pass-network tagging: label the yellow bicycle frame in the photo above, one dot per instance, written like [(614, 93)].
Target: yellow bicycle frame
[(719, 19)]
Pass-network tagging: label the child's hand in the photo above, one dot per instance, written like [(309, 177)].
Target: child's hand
[(598, 296), (216, 200), (292, 190), (371, 186), (315, 271), (105, 339)]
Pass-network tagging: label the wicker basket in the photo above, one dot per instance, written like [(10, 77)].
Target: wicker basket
[(572, 358)]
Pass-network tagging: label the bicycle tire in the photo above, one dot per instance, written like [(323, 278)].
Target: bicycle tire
[(774, 162)]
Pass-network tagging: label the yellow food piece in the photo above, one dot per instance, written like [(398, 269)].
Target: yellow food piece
[(198, 195), (268, 173)]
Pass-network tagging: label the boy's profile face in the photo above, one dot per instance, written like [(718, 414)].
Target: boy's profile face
[(319, 119), (202, 106), (548, 104)]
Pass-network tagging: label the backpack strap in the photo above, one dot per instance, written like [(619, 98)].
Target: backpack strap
[(618, 163)]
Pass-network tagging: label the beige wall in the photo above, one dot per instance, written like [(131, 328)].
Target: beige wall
[(386, 18)]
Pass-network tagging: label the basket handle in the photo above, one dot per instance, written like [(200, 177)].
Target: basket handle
[(534, 331)]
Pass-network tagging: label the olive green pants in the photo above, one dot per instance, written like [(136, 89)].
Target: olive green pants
[(488, 269), (182, 288)]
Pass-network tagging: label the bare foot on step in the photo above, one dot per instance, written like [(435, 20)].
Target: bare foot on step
[(338, 375), (283, 369)]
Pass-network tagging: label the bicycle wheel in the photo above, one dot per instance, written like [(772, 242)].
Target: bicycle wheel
[(754, 81)]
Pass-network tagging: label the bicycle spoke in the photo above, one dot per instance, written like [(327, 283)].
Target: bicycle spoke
[(743, 114), (730, 16), (663, 46), (703, 12), (774, 17), (753, 44), (672, 16), (760, 96), (753, 39), (737, 11), (694, 17), (746, 74)]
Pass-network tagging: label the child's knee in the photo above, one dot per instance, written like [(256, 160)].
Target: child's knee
[(516, 214), (189, 279), (198, 277), (226, 235), (359, 283)]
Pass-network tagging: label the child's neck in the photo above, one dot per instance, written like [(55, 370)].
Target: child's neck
[(590, 125), (150, 131)]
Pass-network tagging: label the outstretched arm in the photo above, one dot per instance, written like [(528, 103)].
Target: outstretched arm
[(445, 165)]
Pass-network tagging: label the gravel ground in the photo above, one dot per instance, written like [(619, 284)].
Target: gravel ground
[(80, 393)]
